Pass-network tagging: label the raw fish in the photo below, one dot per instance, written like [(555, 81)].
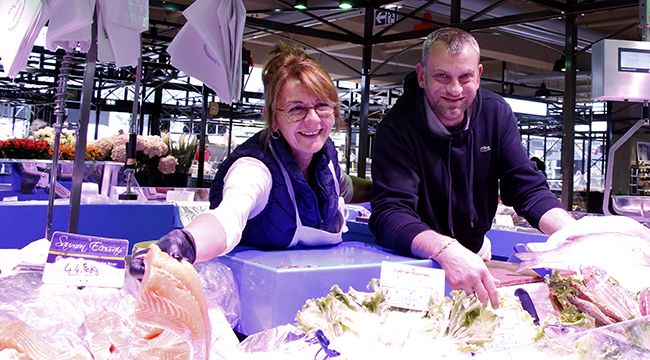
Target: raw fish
[(171, 297), (114, 336), (605, 250), (27, 343)]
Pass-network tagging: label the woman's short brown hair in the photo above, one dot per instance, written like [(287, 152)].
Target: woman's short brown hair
[(286, 61)]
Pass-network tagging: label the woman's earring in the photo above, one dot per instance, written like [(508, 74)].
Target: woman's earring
[(275, 134)]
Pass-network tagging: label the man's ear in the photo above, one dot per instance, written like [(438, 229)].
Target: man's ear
[(419, 69)]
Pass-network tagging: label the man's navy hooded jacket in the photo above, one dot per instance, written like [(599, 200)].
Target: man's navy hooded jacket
[(449, 184)]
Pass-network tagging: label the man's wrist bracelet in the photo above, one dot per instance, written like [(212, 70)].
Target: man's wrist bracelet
[(442, 248)]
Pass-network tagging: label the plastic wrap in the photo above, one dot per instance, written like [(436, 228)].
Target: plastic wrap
[(81, 318), (220, 289), (628, 340)]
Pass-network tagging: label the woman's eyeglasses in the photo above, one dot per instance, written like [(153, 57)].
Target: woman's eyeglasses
[(297, 112)]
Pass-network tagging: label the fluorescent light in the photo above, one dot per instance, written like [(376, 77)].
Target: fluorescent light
[(528, 107), (345, 4)]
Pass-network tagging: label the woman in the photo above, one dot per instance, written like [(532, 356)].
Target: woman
[(283, 186)]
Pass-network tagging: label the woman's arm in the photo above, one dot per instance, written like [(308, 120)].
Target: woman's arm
[(246, 190)]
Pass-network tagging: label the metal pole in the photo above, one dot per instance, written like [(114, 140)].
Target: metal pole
[(98, 102), (80, 147), (143, 96), (348, 142), (13, 120), (568, 110), (204, 120), (610, 163), (129, 170), (644, 17), (365, 91), (455, 12), (229, 136), (589, 144), (59, 110)]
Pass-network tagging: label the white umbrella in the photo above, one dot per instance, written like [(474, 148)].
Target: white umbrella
[(118, 37), (70, 24), (20, 23), (209, 46)]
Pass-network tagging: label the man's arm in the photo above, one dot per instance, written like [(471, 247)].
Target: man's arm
[(554, 220), (395, 181), (464, 269)]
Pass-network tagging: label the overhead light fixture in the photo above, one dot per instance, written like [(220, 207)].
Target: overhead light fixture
[(345, 4), (542, 92), (300, 5), (560, 64)]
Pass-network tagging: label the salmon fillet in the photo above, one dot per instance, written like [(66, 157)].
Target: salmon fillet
[(171, 297)]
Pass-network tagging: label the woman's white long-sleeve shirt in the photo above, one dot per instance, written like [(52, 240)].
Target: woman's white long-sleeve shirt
[(246, 190)]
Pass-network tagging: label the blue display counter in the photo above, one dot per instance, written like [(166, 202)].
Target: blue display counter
[(24, 222), (274, 285), (503, 241)]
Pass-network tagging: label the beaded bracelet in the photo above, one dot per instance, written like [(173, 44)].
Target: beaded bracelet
[(442, 248)]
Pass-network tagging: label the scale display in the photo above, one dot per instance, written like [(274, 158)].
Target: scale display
[(633, 60), (620, 70)]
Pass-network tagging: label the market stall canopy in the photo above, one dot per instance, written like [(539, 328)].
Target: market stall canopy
[(209, 46)]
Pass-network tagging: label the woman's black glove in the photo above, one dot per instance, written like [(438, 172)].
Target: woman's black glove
[(178, 243)]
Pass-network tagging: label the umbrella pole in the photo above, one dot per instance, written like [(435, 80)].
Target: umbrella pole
[(129, 171)]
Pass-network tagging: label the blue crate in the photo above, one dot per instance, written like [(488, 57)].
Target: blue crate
[(274, 285)]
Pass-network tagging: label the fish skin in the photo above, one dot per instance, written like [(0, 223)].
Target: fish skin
[(171, 297), (617, 302), (591, 310), (597, 249)]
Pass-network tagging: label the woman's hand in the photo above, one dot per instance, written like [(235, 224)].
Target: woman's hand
[(178, 243)]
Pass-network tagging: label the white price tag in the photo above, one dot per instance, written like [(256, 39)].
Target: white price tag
[(504, 220), (411, 287), (80, 260)]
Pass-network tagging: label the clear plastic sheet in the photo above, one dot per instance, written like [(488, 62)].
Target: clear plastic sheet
[(628, 340), (273, 339), (284, 342), (60, 313), (220, 289)]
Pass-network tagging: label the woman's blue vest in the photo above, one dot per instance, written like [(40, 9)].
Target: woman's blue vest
[(273, 228)]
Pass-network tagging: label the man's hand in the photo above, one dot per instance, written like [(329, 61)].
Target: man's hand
[(178, 243), (465, 270)]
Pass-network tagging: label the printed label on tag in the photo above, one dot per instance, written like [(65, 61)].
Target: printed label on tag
[(410, 286), (81, 260)]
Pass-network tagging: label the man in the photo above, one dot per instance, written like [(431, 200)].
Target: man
[(440, 154)]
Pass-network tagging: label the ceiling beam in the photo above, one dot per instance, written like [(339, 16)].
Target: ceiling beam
[(294, 29), (557, 5)]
